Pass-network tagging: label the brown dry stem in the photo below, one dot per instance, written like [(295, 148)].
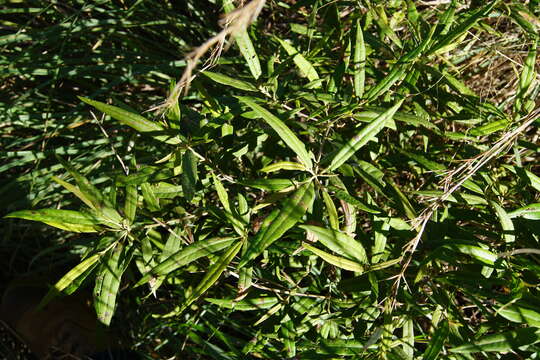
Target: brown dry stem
[(233, 23)]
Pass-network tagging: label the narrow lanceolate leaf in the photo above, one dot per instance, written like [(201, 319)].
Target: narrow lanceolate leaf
[(222, 193), (245, 45), (521, 313), (306, 68), (90, 194), (63, 219), (460, 29), (135, 121), (508, 232), (269, 184), (408, 339), (437, 341), (331, 210), (75, 191), (339, 243), (108, 283), (531, 212), (187, 255), (501, 342), (399, 70), (130, 206), (337, 261), (359, 62), (282, 130), (211, 277), (246, 304), (485, 256), (68, 279), (363, 137), (283, 165), (280, 221), (229, 81), (189, 174)]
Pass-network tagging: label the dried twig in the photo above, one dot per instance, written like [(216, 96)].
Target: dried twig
[(233, 23), (452, 182)]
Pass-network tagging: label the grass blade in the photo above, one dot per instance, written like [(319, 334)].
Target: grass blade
[(437, 342)]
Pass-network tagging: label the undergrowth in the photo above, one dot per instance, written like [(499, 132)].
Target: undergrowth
[(341, 180)]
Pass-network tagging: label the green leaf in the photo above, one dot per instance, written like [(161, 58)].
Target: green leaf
[(225, 80), (269, 184), (75, 191), (501, 342), (246, 304), (213, 274), (306, 69), (508, 232), (63, 219), (245, 45), (149, 196), (482, 255), (408, 339), (521, 313), (337, 261), (135, 121), (90, 194), (68, 279), (531, 212), (108, 283), (281, 129), (339, 243), (331, 210), (359, 62), (187, 255), (283, 165), (279, 221), (437, 341), (461, 28), (189, 174), (363, 137), (399, 70), (130, 206)]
